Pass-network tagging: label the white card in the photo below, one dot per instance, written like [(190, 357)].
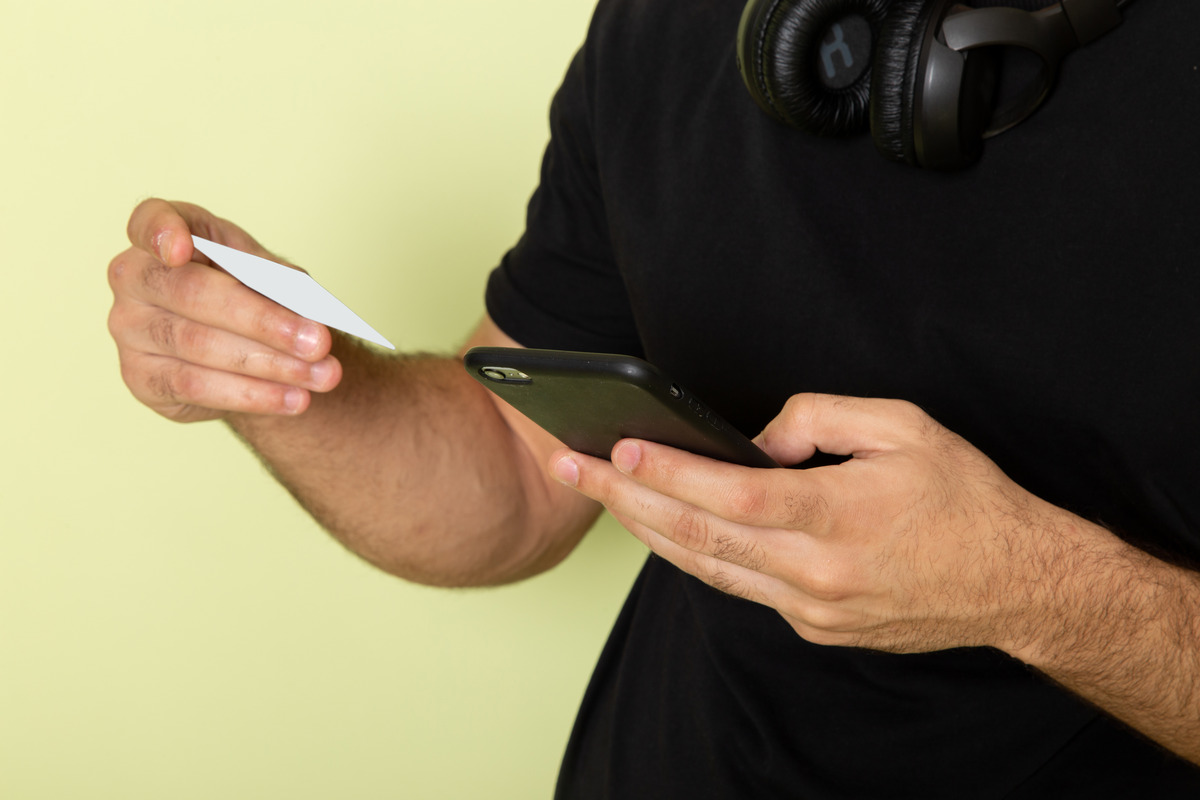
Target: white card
[(291, 288)]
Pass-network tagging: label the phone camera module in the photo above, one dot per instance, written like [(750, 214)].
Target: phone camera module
[(504, 375)]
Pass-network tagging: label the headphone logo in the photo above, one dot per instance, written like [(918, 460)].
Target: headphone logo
[(838, 46), (844, 53)]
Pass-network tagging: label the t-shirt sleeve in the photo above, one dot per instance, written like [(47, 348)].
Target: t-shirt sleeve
[(559, 286)]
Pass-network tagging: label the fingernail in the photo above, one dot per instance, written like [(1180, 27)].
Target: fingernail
[(320, 372), (163, 245), (308, 339), (293, 400), (627, 456), (566, 471)]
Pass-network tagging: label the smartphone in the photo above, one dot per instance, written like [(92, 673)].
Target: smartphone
[(590, 401)]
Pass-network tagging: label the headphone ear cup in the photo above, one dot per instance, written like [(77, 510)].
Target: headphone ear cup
[(784, 49), (894, 78)]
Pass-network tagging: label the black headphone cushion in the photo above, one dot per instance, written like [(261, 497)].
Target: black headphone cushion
[(779, 46), (894, 76)]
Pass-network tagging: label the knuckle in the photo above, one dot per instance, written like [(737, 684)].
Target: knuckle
[(193, 340), (262, 319), (161, 386), (912, 415), (800, 407), (925, 428), (819, 619), (250, 396), (175, 384), (239, 361), (739, 550), (161, 331), (117, 268), (154, 277), (746, 503), (724, 581), (161, 391), (118, 322), (188, 384), (690, 529), (825, 582), (804, 509), (266, 324), (807, 617)]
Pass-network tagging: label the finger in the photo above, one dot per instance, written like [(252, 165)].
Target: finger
[(792, 574), (685, 524), (159, 228), (837, 425), (816, 620), (816, 614), (804, 500), (168, 334), (724, 576), (209, 297), (188, 392), (164, 229)]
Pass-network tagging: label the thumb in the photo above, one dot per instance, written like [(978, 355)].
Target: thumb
[(831, 424), (164, 229)]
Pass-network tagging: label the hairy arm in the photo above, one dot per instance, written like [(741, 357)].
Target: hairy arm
[(417, 468), (1121, 629), (406, 460)]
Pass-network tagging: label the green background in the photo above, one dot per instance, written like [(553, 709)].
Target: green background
[(171, 624)]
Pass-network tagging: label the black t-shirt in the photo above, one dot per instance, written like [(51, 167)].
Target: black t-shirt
[(1042, 304)]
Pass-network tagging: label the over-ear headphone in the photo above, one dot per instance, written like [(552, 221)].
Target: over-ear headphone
[(922, 74)]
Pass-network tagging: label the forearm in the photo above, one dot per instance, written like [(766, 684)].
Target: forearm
[(410, 464), (1122, 630)]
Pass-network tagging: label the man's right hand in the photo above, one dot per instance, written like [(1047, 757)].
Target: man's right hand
[(196, 344)]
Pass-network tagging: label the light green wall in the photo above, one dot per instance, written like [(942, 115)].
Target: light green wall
[(171, 625)]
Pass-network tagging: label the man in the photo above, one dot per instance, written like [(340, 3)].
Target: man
[(924, 620)]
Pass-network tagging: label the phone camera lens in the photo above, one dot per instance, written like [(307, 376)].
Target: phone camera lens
[(505, 375)]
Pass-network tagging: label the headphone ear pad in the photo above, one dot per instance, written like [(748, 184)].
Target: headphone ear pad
[(780, 43), (894, 77)]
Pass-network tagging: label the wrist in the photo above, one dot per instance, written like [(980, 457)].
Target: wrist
[(1078, 570)]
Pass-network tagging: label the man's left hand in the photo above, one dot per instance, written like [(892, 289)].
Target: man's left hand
[(916, 542)]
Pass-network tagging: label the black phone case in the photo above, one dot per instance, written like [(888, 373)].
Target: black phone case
[(590, 401)]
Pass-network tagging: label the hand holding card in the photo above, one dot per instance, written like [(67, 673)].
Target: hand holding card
[(205, 330)]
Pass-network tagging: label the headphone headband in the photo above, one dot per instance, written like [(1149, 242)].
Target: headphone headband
[(1050, 33)]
